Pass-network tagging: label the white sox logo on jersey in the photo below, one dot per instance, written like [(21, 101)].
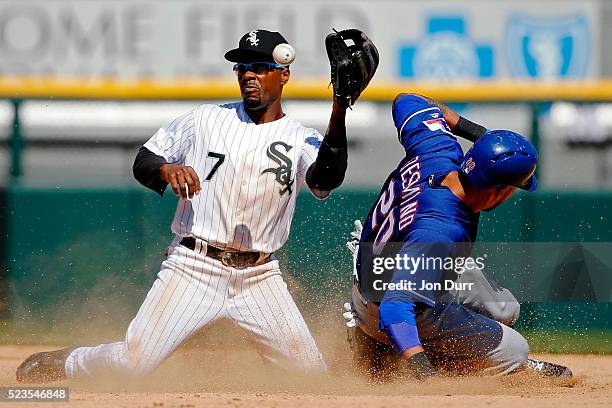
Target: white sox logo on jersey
[(283, 171), (253, 38)]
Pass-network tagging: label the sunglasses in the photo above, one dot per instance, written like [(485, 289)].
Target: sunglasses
[(257, 67)]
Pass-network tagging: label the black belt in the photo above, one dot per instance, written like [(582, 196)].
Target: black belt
[(234, 259)]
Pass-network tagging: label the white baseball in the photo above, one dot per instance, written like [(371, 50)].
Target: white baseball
[(283, 54)]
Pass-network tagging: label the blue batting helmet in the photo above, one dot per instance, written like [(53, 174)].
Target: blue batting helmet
[(501, 158)]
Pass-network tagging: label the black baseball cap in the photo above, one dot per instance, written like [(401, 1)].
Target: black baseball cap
[(256, 46)]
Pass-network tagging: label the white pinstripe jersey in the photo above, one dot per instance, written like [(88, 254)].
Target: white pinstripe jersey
[(250, 174)]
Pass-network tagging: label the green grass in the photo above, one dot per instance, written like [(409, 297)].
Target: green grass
[(60, 334), (591, 341)]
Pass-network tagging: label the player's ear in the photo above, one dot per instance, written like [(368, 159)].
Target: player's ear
[(285, 74)]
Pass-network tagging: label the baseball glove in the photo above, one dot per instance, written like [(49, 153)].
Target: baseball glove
[(353, 58)]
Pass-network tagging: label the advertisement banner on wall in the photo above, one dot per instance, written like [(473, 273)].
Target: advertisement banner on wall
[(439, 40)]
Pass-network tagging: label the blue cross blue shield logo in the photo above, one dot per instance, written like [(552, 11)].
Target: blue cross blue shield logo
[(446, 51), (548, 47)]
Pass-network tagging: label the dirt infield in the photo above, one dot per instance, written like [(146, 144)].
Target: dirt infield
[(214, 376)]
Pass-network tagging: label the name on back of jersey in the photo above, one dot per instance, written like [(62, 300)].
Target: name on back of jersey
[(410, 175)]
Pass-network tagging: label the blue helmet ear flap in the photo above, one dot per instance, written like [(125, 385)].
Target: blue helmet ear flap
[(531, 184)]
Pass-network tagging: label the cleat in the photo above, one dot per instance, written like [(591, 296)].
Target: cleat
[(44, 367), (547, 369)]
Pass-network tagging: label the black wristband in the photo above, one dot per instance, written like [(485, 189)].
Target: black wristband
[(328, 170), (468, 129), (420, 366)]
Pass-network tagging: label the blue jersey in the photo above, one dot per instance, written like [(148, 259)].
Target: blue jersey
[(412, 206), (416, 211)]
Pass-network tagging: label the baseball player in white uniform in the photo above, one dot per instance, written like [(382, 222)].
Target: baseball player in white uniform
[(237, 169)]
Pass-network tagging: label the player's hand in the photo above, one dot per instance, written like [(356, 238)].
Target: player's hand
[(420, 366), (183, 179)]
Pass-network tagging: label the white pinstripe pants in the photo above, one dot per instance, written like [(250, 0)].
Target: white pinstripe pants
[(192, 291)]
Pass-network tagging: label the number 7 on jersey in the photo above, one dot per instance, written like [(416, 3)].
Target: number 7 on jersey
[(220, 159)]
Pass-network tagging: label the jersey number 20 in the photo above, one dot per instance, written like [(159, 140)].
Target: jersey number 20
[(383, 211)]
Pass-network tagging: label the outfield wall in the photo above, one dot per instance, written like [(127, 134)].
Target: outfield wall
[(436, 39), (70, 250)]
